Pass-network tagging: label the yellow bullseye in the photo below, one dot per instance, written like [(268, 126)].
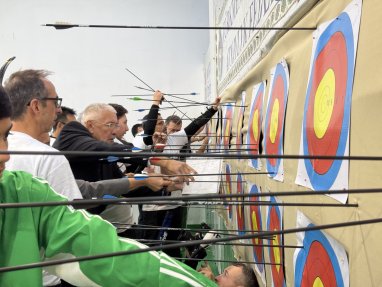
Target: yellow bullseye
[(318, 283), (255, 123), (254, 225), (276, 252), (324, 103), (228, 187), (227, 129), (274, 121)]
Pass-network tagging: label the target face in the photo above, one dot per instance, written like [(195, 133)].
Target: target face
[(218, 130), (228, 188), (321, 262), (326, 121), (276, 253), (256, 225), (209, 128), (240, 207), (274, 119), (255, 123), (240, 121), (227, 126)]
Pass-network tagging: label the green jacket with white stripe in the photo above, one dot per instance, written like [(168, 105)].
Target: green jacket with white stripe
[(61, 232)]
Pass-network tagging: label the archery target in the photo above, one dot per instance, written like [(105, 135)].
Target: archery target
[(240, 207), (240, 121), (322, 261), (255, 124), (326, 123), (218, 130), (227, 126), (274, 119), (228, 188), (256, 225), (209, 128), (276, 253)]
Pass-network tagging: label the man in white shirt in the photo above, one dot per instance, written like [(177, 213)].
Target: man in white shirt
[(34, 115), (35, 106), (172, 215), (152, 125)]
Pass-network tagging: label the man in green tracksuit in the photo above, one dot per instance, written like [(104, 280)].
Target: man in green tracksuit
[(61, 232)]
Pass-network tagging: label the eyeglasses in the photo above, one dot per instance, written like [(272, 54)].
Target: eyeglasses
[(111, 125), (58, 101)]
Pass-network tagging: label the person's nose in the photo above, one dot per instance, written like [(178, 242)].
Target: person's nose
[(217, 278), (4, 158)]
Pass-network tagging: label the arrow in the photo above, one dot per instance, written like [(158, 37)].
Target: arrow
[(152, 90), (182, 102), (150, 95), (113, 158), (171, 95), (62, 26), (190, 243)]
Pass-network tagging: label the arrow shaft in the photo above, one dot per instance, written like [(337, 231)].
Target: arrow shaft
[(190, 243), (67, 26)]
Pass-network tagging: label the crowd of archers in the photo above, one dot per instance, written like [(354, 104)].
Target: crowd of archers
[(29, 109)]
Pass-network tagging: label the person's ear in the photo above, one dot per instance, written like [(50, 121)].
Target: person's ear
[(60, 125), (34, 105), (90, 126)]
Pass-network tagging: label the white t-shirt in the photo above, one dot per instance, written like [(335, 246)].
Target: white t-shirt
[(174, 143), (139, 143), (51, 141), (55, 169)]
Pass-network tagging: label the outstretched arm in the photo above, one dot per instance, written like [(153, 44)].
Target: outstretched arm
[(174, 167), (196, 124), (121, 186), (150, 122)]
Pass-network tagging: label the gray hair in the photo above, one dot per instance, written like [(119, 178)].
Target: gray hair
[(24, 86), (93, 112)]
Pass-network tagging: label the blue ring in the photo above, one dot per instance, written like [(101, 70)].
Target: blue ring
[(279, 71), (277, 208), (240, 231), (302, 256), (228, 109), (255, 162), (260, 266), (325, 181), (228, 171)]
